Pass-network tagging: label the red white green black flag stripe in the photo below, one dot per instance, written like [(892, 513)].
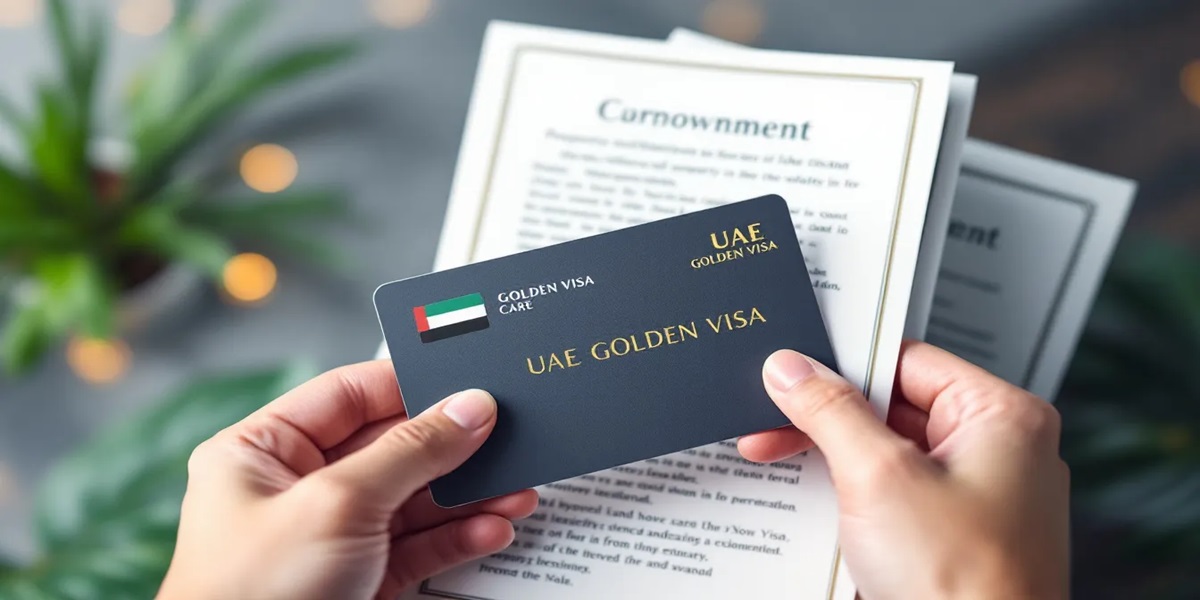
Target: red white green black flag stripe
[(449, 318)]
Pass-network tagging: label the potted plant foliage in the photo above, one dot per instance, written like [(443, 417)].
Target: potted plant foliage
[(105, 517), (87, 224), (1131, 429)]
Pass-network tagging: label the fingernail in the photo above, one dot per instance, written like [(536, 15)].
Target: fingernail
[(470, 409), (786, 368)]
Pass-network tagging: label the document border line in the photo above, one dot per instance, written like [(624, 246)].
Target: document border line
[(1089, 213)]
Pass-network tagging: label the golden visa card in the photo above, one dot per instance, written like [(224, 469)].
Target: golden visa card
[(609, 349)]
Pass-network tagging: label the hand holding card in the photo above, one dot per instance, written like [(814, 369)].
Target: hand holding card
[(609, 349)]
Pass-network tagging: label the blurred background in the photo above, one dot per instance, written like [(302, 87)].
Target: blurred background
[(197, 199)]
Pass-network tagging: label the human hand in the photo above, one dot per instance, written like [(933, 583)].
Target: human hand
[(322, 494), (964, 497)]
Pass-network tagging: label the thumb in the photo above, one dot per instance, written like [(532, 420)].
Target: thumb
[(830, 410), (386, 473)]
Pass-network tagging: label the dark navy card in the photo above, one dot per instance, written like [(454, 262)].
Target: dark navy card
[(608, 349)]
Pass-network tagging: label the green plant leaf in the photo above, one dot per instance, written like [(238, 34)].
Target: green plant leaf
[(68, 292), (242, 215), (272, 220), (68, 47), (161, 87), (107, 515), (1131, 425), (16, 194), (27, 333), (197, 247), (27, 231), (58, 139), (95, 48), (159, 150), (20, 589), (1156, 284), (190, 63), (222, 46), (76, 294), (185, 12), (156, 229), (80, 54), (58, 148), (29, 236)]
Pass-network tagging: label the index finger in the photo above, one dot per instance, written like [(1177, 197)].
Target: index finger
[(953, 392), (924, 373), (300, 426), (329, 408)]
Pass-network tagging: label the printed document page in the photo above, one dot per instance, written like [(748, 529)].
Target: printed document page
[(995, 306), (945, 179), (571, 134), (1028, 243)]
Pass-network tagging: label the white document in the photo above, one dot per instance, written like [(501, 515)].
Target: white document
[(1029, 241), (945, 178), (1005, 308), (571, 134)]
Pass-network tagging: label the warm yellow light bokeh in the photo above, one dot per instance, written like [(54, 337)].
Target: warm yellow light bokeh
[(249, 277), (400, 14), (145, 17), (1189, 81), (735, 20), (19, 13), (98, 361), (269, 168)]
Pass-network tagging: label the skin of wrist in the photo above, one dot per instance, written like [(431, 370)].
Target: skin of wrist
[(177, 588), (1004, 574)]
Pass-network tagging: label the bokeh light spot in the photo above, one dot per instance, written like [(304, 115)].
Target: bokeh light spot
[(249, 277), (400, 14), (269, 168), (19, 13), (735, 20), (145, 17), (96, 360), (1189, 80)]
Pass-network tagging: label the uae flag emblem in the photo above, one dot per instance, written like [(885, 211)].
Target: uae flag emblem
[(449, 318)]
